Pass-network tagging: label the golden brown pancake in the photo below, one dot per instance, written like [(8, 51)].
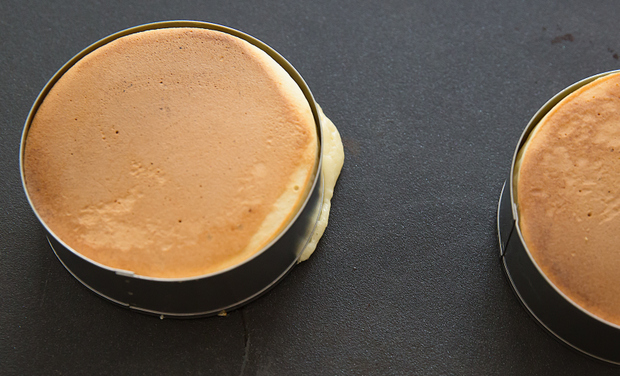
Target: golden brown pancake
[(171, 153), (568, 185)]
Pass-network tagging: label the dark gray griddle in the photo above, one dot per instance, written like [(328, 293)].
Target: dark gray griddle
[(430, 99)]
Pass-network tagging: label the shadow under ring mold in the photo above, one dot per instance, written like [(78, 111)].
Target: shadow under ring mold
[(210, 293)]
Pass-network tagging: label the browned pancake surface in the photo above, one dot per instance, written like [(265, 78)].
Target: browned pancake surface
[(164, 151), (569, 197)]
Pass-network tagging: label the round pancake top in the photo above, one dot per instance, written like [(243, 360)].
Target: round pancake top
[(568, 192), (171, 153)]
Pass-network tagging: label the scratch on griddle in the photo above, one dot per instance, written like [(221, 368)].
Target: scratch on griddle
[(246, 341), (47, 278)]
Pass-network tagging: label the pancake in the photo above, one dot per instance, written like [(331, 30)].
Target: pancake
[(567, 179), (171, 153)]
